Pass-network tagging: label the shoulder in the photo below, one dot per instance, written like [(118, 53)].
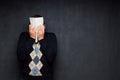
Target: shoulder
[(50, 35), (24, 35), (51, 39)]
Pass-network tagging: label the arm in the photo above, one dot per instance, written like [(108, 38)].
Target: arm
[(52, 49), (24, 46), (21, 47)]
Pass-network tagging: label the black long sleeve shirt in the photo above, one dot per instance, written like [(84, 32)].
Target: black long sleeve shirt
[(48, 49)]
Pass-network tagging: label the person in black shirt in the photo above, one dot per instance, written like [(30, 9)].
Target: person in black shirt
[(37, 59)]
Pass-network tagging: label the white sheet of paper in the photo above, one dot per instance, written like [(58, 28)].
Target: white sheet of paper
[(36, 21)]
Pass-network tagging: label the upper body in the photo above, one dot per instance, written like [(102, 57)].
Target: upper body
[(48, 49), (36, 58)]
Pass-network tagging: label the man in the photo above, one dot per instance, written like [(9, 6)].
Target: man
[(36, 59)]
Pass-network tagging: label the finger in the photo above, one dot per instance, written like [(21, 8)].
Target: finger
[(41, 26), (31, 28), (30, 25)]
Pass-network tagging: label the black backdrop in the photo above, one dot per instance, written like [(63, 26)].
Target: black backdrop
[(87, 33)]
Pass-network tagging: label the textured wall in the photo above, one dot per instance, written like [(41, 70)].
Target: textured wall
[(87, 33)]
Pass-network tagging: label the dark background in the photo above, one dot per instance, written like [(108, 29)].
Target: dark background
[(87, 34)]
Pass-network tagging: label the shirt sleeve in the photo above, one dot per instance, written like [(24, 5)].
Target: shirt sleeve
[(52, 48), (24, 46)]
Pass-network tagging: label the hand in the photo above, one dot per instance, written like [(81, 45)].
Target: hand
[(40, 31)]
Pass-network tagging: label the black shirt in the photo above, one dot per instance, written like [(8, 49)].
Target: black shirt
[(48, 49)]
